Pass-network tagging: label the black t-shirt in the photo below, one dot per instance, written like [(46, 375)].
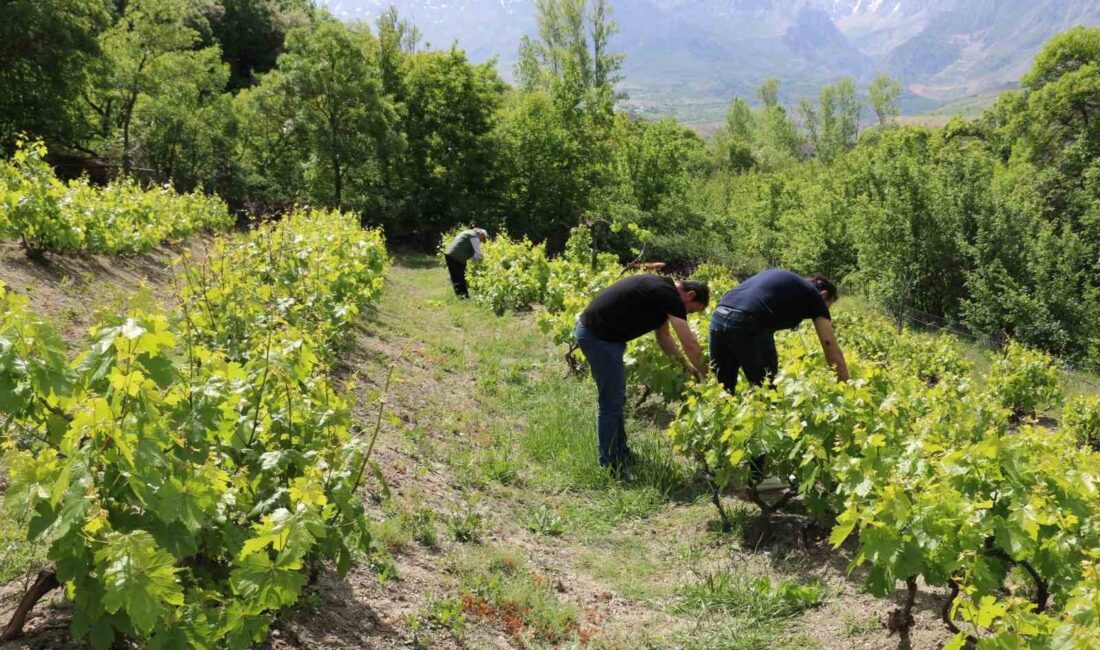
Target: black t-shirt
[(778, 299), (633, 306)]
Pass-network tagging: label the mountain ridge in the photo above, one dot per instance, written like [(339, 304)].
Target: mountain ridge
[(688, 57)]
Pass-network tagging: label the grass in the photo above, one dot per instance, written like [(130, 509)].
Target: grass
[(18, 557), (527, 446), (750, 610), (496, 585)]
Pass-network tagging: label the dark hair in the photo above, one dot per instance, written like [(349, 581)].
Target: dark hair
[(823, 284), (702, 292)]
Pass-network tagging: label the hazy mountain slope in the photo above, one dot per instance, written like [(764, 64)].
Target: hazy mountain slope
[(691, 56), (983, 44)]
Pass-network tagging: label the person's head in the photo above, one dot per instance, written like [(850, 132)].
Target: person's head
[(481, 234), (696, 295), (827, 289)]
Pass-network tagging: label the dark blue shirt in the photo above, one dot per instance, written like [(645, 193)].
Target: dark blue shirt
[(777, 299)]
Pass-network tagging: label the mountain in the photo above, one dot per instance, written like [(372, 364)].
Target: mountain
[(689, 57)]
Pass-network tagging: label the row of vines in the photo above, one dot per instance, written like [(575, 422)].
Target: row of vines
[(46, 215), (931, 472), (189, 470)]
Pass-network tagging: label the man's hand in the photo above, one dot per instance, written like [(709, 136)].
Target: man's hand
[(691, 370), (833, 354), (691, 346)]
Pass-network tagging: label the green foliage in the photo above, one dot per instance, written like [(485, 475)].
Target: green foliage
[(46, 215), (512, 276), (466, 523), (451, 109), (49, 50), (186, 472), (758, 598), (1081, 415), (928, 473), (543, 521), (1025, 381), (517, 274), (885, 93)]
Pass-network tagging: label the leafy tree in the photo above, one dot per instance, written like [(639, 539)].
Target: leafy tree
[(834, 126), (572, 63), (885, 92), (340, 113), (658, 159), (250, 34), (451, 111), (146, 35), (48, 49), (544, 197), (270, 147), (737, 142)]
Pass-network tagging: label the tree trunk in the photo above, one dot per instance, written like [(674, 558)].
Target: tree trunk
[(337, 181), (44, 584)]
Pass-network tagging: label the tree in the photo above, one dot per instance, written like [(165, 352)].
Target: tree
[(777, 141), (340, 112), (183, 125), (740, 136), (148, 31), (658, 160), (885, 92), (544, 196), (1064, 54), (834, 126), (48, 49), (571, 61), (271, 146), (250, 34), (451, 111)]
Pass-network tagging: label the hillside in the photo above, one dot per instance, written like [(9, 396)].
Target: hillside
[(688, 57), (494, 528)]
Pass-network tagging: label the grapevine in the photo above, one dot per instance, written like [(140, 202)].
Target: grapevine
[(939, 476), (187, 470), (48, 216)]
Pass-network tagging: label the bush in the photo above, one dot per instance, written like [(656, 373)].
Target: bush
[(1025, 381), (1081, 416), (512, 276), (46, 215)]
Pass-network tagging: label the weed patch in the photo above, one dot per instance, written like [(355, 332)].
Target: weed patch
[(497, 586)]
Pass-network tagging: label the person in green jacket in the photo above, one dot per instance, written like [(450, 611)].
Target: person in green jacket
[(465, 247)]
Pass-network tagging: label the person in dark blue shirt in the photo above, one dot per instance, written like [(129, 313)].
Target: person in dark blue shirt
[(744, 323)]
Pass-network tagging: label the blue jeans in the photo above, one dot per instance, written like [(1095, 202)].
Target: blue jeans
[(605, 358), (738, 343)]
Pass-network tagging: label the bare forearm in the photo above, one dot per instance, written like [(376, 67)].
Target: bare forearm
[(694, 353), (835, 357), (668, 346)]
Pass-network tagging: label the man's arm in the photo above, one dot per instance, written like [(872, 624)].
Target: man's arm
[(691, 346), (664, 340), (833, 354), (476, 241)]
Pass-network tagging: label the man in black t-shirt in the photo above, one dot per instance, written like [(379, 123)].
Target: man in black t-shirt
[(743, 326), (625, 311)]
